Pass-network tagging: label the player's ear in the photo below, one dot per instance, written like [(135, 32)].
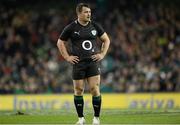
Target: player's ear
[(78, 13)]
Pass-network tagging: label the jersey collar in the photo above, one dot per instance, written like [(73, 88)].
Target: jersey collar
[(77, 22)]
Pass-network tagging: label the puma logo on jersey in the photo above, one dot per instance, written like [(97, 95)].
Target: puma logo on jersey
[(78, 33)]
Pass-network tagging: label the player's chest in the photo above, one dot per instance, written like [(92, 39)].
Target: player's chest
[(84, 33)]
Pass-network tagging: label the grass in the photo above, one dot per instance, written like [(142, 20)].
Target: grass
[(108, 116)]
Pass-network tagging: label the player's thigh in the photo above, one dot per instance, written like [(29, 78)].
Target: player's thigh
[(94, 82)]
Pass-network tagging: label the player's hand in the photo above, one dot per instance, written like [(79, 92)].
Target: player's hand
[(97, 57), (72, 59)]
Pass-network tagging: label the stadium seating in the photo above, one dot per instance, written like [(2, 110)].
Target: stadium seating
[(143, 57)]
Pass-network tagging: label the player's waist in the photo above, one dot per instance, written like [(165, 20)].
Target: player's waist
[(86, 59)]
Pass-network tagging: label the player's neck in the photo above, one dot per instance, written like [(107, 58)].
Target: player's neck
[(83, 23)]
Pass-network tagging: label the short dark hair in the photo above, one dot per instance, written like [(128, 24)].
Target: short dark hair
[(80, 6)]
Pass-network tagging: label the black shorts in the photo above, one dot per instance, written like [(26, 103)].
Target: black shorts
[(85, 69)]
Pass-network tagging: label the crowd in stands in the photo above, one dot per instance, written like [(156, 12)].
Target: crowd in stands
[(144, 55)]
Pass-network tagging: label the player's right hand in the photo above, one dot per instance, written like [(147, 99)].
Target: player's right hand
[(73, 59)]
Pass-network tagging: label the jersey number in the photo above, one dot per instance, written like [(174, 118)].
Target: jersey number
[(87, 42)]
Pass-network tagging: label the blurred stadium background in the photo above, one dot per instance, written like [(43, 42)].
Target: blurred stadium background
[(141, 69)]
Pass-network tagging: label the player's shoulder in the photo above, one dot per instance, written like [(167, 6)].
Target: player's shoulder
[(95, 24), (71, 25), (98, 27)]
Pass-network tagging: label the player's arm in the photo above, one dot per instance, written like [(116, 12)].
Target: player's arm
[(105, 45), (106, 42), (63, 50)]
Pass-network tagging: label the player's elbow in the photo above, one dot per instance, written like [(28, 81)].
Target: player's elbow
[(58, 43)]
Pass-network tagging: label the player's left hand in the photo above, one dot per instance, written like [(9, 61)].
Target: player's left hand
[(97, 57)]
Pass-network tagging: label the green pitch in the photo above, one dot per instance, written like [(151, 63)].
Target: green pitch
[(108, 116)]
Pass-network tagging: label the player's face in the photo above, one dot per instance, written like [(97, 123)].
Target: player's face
[(85, 14)]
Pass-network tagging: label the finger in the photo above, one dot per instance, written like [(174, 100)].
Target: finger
[(99, 59), (95, 59), (72, 62), (93, 56), (76, 57), (75, 61)]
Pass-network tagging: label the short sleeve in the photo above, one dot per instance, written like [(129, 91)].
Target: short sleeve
[(99, 29), (65, 33)]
